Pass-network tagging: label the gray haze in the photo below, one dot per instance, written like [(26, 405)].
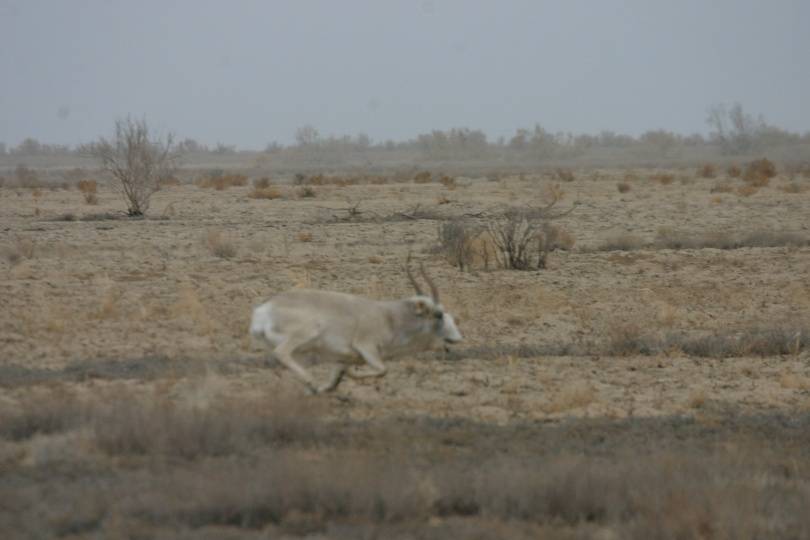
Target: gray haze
[(251, 72)]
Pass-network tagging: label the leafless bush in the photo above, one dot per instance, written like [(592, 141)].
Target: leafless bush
[(519, 240), (455, 242), (523, 241), (733, 171), (138, 162)]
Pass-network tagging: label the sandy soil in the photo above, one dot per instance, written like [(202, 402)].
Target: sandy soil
[(98, 290)]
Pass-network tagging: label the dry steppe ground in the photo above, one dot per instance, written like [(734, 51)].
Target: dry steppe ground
[(661, 390)]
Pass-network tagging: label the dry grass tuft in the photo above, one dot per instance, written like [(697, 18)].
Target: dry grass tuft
[(621, 241), (423, 177), (261, 183), (663, 178), (747, 190), (305, 192), (572, 396), (794, 187), (219, 244), (564, 175), (455, 242), (722, 187), (21, 247), (171, 181), (304, 236), (707, 170), (88, 189), (626, 339), (448, 181), (759, 172), (219, 181), (669, 238), (267, 193), (146, 464)]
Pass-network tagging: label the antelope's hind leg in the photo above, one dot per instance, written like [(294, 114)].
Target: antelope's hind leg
[(284, 354)]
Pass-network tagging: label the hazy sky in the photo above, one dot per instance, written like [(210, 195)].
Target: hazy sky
[(251, 72)]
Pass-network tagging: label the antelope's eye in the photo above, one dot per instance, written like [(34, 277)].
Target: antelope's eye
[(438, 314)]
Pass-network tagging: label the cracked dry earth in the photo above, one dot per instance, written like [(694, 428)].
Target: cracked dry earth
[(147, 303)]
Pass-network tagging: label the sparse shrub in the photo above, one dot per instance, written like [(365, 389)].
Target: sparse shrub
[(219, 245), (448, 181), (747, 190), (733, 171), (305, 192), (707, 170), (522, 241), (623, 187), (455, 242), (759, 172), (138, 162), (304, 236)]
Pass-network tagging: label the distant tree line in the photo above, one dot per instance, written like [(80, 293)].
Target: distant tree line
[(732, 132)]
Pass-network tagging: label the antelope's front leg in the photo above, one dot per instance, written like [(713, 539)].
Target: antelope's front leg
[(372, 358)]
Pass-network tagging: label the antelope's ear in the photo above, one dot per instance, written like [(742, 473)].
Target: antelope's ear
[(420, 307)]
